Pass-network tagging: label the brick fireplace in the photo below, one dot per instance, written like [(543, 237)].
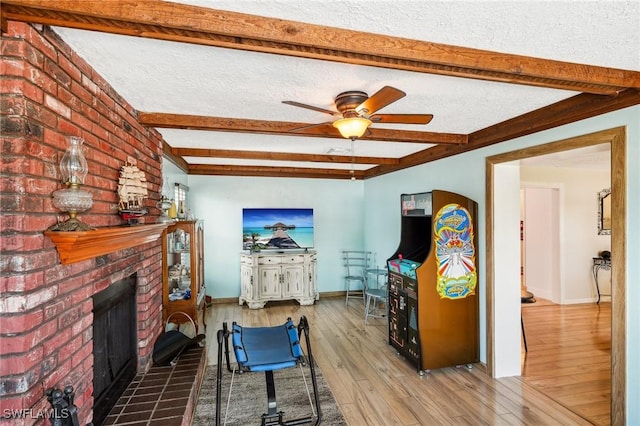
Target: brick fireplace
[(48, 93)]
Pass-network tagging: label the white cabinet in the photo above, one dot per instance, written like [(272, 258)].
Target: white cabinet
[(269, 276)]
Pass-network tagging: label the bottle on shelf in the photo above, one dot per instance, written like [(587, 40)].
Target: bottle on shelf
[(173, 213), (182, 214)]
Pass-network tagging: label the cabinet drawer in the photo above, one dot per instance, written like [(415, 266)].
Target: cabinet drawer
[(268, 260), (294, 258)]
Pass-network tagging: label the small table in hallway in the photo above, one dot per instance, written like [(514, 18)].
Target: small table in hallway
[(600, 263)]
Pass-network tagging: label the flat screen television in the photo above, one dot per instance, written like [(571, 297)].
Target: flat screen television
[(277, 229)]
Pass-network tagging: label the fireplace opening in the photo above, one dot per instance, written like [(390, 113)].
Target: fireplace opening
[(114, 344)]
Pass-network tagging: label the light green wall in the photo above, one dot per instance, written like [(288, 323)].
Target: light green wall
[(219, 200)]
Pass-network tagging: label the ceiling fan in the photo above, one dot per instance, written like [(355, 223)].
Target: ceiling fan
[(358, 111)]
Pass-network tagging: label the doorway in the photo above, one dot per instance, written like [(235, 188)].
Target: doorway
[(501, 274)]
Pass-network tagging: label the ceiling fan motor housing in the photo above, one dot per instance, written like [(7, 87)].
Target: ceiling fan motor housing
[(348, 101)]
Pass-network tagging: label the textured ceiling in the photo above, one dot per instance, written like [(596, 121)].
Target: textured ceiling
[(171, 77), (595, 157)]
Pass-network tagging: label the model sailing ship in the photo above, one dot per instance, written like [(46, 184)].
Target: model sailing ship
[(132, 190)]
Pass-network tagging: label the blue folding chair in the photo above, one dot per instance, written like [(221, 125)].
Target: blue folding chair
[(268, 349)]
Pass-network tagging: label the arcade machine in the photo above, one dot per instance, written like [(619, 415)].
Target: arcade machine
[(433, 278)]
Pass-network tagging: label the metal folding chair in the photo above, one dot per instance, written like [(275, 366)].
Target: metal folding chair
[(355, 263), (376, 293)]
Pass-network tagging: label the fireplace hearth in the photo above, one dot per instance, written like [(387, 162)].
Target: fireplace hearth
[(114, 344)]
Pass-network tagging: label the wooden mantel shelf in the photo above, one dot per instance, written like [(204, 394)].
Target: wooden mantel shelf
[(74, 246)]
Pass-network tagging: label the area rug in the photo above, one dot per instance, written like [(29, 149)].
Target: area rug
[(249, 397)]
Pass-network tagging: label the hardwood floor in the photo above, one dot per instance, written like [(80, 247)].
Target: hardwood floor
[(569, 357), (374, 386)]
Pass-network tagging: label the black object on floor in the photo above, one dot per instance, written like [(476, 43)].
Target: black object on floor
[(525, 297)]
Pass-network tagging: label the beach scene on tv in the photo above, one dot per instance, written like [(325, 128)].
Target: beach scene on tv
[(272, 228)]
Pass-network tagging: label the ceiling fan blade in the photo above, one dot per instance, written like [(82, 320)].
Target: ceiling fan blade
[(402, 118), (298, 104), (379, 100)]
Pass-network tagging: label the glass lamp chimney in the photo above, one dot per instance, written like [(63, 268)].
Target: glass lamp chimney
[(73, 165)]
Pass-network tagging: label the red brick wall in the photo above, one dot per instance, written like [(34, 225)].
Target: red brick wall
[(48, 93)]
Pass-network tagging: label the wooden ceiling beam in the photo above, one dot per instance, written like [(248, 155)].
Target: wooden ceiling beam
[(169, 155), (286, 128), (280, 156), (563, 112), (567, 111), (197, 25), (260, 171)]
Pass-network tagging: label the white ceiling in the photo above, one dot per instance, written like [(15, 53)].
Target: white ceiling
[(595, 157), (170, 77)]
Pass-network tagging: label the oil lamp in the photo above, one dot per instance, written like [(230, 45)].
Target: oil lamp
[(164, 204), (72, 199)]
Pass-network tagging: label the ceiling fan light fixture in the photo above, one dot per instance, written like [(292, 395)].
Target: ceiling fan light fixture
[(352, 127)]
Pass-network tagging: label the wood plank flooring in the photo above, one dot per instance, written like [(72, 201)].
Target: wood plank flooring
[(569, 356), (374, 386)]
